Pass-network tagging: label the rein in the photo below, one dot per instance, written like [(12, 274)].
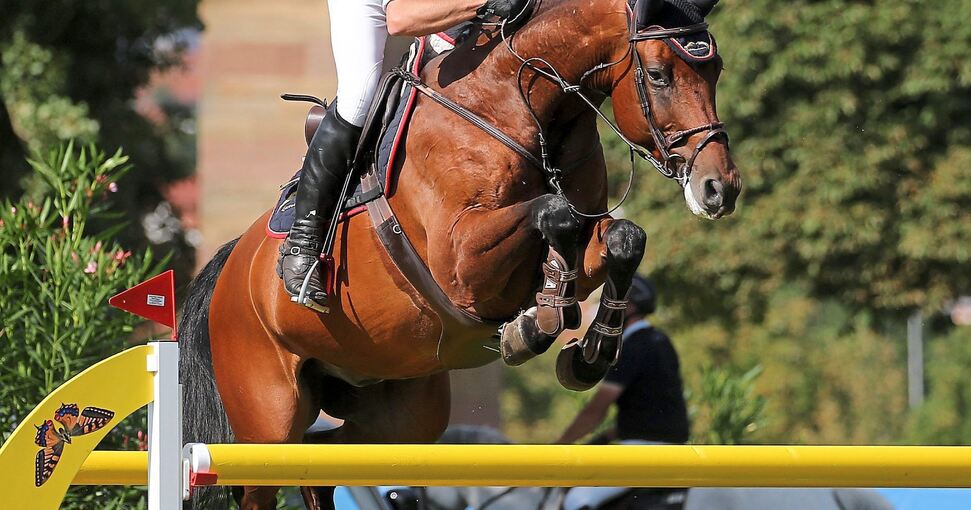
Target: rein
[(669, 167)]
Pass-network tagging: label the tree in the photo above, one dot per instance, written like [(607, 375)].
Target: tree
[(70, 70), (849, 124)]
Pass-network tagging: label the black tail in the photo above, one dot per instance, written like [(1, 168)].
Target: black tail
[(203, 416)]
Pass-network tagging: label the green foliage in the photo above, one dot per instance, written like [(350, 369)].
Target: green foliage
[(849, 126), (535, 408), (55, 279), (726, 409), (33, 85), (71, 70), (943, 418)]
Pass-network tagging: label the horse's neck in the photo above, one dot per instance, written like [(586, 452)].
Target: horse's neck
[(574, 36)]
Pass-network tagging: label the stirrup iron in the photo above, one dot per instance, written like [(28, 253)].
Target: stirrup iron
[(302, 299)]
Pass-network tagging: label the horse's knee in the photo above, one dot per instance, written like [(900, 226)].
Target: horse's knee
[(556, 222), (625, 245)]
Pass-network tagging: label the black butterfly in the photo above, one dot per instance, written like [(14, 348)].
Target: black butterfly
[(52, 438)]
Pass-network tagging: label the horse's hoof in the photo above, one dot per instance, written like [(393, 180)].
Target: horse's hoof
[(576, 374), (522, 340)]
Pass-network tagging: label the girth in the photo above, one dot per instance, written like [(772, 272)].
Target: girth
[(466, 341)]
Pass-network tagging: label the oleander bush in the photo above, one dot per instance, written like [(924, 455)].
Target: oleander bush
[(56, 275)]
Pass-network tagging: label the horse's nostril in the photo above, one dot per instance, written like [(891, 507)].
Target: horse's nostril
[(713, 194)]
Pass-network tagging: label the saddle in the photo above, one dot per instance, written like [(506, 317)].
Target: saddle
[(382, 136)]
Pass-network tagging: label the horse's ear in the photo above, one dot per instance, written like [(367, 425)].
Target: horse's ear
[(704, 6), (647, 10)]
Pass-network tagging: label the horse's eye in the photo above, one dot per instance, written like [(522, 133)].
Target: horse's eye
[(657, 77)]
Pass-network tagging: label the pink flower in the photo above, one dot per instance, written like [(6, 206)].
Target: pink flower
[(113, 187), (13, 210), (91, 267), (65, 221)]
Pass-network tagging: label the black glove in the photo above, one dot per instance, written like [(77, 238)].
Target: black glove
[(502, 8)]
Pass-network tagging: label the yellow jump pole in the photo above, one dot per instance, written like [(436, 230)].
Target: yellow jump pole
[(113, 468), (554, 465), (120, 385)]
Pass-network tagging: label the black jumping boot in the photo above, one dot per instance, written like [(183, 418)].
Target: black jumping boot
[(324, 170)]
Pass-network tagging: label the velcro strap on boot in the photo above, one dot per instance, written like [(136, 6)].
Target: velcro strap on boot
[(607, 326), (559, 275), (605, 330), (613, 304), (554, 301)]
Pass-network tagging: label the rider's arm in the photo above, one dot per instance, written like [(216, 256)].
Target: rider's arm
[(423, 17), (593, 413)]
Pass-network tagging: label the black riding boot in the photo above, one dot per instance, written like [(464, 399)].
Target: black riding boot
[(324, 169)]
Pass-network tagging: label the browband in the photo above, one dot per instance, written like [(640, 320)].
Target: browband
[(667, 33)]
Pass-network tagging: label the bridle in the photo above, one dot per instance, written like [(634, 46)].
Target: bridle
[(668, 167), (671, 169)]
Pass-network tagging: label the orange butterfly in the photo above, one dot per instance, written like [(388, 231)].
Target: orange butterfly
[(52, 438)]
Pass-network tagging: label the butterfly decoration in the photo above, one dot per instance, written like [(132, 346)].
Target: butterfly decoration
[(52, 438)]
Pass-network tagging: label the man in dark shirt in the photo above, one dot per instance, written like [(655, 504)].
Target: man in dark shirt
[(645, 384)]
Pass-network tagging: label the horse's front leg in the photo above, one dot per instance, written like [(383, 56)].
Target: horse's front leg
[(533, 332), (492, 254), (618, 247)]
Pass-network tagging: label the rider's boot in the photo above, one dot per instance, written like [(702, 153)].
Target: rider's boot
[(324, 170)]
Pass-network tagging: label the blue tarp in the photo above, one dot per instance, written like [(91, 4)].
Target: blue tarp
[(928, 499)]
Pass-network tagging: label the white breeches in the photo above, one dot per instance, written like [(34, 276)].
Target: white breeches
[(358, 31)]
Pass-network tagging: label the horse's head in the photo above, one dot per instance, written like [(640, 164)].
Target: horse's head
[(664, 99)]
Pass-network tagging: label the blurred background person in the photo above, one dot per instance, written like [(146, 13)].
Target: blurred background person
[(646, 387), (645, 384)]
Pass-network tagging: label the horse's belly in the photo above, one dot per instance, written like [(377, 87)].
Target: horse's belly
[(375, 330)]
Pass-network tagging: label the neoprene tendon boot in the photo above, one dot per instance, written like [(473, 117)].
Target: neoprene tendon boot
[(324, 170)]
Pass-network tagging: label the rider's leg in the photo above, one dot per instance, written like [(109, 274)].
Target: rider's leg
[(358, 33)]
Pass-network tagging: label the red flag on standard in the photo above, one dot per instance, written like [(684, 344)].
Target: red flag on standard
[(152, 299)]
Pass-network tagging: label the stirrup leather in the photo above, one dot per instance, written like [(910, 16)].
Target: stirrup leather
[(557, 294)]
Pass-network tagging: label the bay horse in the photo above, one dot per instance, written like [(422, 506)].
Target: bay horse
[(258, 369)]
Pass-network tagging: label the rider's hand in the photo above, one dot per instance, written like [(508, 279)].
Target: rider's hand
[(502, 8)]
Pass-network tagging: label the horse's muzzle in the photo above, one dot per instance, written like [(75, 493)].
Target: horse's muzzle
[(714, 195)]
